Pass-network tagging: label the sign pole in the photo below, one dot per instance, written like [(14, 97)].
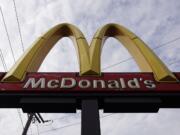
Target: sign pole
[(30, 117), (90, 122)]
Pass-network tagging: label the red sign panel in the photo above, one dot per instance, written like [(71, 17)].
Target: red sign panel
[(107, 82)]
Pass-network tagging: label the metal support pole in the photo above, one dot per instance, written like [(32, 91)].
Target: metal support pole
[(37, 117), (28, 124), (90, 122), (41, 118), (43, 121)]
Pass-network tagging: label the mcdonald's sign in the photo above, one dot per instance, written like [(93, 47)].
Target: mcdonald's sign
[(155, 87)]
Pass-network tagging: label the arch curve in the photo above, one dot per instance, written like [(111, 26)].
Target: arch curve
[(34, 56), (89, 58), (143, 55)]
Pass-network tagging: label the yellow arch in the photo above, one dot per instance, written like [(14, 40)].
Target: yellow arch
[(143, 55), (89, 58), (34, 56)]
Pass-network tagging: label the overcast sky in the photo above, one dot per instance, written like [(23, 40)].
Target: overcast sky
[(154, 21)]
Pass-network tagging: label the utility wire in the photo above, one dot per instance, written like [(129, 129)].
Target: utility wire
[(178, 61), (64, 117), (5, 26), (30, 125), (130, 58), (166, 43), (3, 61), (37, 129), (18, 110), (20, 117), (73, 124), (115, 64), (19, 28), (3, 64)]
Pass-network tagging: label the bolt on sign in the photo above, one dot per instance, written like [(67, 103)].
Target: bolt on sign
[(156, 86)]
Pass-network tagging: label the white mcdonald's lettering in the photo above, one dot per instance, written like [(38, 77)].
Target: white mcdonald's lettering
[(133, 83), (84, 84), (65, 85), (35, 84), (53, 83), (68, 83)]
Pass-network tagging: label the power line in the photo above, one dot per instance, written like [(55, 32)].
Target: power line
[(3, 61), (37, 129), (64, 117), (28, 115), (19, 114), (5, 26), (69, 125), (130, 58), (20, 117), (3, 64), (178, 61), (117, 63), (19, 28), (166, 43)]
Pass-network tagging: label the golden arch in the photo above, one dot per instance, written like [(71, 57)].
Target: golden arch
[(143, 55), (89, 57), (34, 56)]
